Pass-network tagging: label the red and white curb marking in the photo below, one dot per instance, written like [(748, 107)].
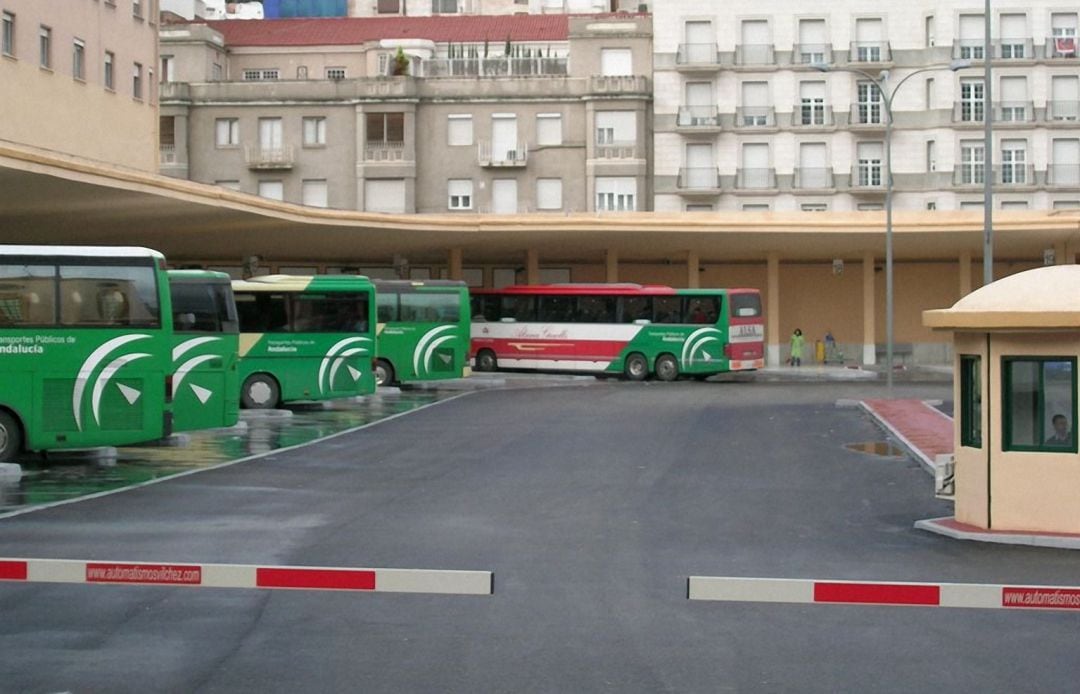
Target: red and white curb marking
[(977, 595), (248, 576)]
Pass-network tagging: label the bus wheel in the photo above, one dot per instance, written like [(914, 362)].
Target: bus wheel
[(667, 369), (384, 373), (10, 437), (486, 361), (636, 367), (260, 392)]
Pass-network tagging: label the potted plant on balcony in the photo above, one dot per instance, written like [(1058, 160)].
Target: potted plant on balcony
[(401, 63)]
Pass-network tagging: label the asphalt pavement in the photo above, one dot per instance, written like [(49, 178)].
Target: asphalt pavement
[(592, 506)]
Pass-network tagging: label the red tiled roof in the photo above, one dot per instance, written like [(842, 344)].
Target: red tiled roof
[(340, 31)]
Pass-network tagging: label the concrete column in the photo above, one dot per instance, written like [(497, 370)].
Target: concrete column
[(772, 311), (1061, 257), (611, 265), (693, 271), (869, 310), (532, 266), (965, 274), (453, 263)]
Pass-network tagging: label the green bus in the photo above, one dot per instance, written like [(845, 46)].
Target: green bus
[(85, 336), (305, 338), (205, 352), (631, 330), (423, 328)]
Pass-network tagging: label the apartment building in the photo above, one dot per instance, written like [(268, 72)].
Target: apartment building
[(746, 119), (78, 78), (541, 113), (418, 8)]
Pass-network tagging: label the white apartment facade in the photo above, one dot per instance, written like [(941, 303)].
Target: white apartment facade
[(745, 121), (421, 8)]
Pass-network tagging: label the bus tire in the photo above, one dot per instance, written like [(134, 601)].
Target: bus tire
[(667, 369), (384, 373), (636, 367), (486, 360), (260, 392), (10, 437)]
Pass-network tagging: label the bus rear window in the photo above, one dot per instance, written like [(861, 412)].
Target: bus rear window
[(745, 305), (202, 307)]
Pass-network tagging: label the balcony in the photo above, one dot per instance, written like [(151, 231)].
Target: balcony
[(268, 158), (699, 180), (755, 179), (970, 111), (968, 49), (814, 178), (811, 53), (697, 57), (868, 115), (698, 118), (1013, 112), (495, 67), (515, 157), (755, 117), (1063, 175), (868, 178), (1007, 176), (1061, 48), (1014, 49), (755, 55), (1063, 111), (384, 151), (870, 52), (812, 115), (167, 155), (619, 84), (616, 150)]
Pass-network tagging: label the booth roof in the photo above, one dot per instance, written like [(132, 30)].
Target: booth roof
[(1046, 298)]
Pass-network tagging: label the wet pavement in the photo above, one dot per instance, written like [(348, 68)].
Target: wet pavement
[(65, 475)]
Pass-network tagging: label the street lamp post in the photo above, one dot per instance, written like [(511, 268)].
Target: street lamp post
[(879, 83)]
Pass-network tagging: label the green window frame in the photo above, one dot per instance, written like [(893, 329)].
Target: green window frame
[(971, 400), (1035, 390)]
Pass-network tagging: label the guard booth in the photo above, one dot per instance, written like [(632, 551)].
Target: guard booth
[(1016, 346)]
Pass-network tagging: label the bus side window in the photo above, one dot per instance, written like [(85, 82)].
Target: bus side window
[(636, 308), (387, 306), (274, 308), (596, 309), (667, 309)]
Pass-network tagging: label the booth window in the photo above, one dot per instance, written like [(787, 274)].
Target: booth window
[(1040, 404), (971, 401)]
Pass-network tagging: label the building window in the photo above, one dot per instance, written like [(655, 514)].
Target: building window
[(335, 73), (314, 193), (971, 37), (459, 130), (273, 190), (971, 101), (7, 39), (459, 192), (698, 207), (549, 194), (257, 75), (385, 195), (78, 59), (869, 40), (227, 132), (928, 32), (1065, 95), (109, 70), (813, 41), (815, 207), (136, 81), (384, 64), (1013, 99), (385, 128), (216, 72), (755, 207), (1014, 162), (168, 69), (616, 194), (1039, 404), (1013, 32), (869, 207), (1014, 204), (931, 156), (971, 401), (444, 6), (616, 62), (549, 129), (972, 163), (388, 7), (971, 205), (45, 47), (931, 205), (314, 131), (136, 8), (1067, 204), (615, 129), (812, 103), (869, 103), (929, 93), (1063, 29), (504, 197), (869, 166), (755, 104)]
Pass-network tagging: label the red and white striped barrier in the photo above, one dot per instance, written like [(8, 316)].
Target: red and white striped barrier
[(248, 576), (790, 590)]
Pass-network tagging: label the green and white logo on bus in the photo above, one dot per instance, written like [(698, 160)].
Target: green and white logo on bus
[(696, 349), (336, 356), (104, 376), (427, 350), (182, 370)]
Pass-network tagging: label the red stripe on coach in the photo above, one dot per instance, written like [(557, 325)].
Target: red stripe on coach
[(12, 571), (327, 579), (877, 593)]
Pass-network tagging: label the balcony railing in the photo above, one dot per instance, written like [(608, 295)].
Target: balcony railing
[(816, 178), (1014, 49), (755, 117), (811, 53), (698, 117), (755, 179), (755, 54), (268, 158), (703, 178), (1014, 112), (1063, 175), (167, 154), (1062, 48), (870, 52), (616, 150), (698, 55), (973, 175), (1059, 110), (868, 176), (811, 115), (868, 114), (499, 157), (618, 84), (495, 67), (384, 151), (968, 49), (968, 111)]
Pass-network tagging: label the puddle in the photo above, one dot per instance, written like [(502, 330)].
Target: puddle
[(881, 448)]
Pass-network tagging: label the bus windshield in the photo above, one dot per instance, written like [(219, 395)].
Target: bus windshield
[(203, 307)]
